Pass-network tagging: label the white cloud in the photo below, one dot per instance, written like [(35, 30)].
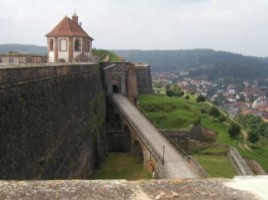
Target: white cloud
[(232, 25)]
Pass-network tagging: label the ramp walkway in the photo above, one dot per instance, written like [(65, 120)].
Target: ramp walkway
[(175, 166)]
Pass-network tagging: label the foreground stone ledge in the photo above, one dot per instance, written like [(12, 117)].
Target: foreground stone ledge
[(201, 189)]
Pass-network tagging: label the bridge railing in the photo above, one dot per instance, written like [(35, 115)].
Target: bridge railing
[(202, 172), (160, 168)]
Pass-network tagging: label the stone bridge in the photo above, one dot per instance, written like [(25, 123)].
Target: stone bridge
[(147, 143), (123, 82)]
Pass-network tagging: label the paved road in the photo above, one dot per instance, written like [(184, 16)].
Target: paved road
[(175, 164)]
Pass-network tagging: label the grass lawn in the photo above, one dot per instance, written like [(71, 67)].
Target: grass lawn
[(121, 166), (171, 113), (217, 166), (215, 150)]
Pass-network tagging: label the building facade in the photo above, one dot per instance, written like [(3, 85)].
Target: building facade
[(68, 42), (15, 58)]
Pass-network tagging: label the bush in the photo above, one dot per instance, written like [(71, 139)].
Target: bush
[(187, 97), (170, 93), (214, 112), (222, 118), (234, 130), (200, 98), (203, 110), (253, 137)]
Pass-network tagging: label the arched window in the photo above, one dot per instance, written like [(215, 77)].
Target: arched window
[(51, 45), (63, 45), (77, 45)]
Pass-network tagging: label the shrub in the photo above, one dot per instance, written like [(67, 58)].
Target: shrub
[(187, 97), (214, 112), (170, 93), (234, 130), (203, 110), (253, 137), (222, 118), (200, 98)]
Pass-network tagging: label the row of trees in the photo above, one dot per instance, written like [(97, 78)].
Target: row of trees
[(234, 131)]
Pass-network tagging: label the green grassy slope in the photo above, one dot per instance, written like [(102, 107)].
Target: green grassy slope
[(178, 113), (105, 55)]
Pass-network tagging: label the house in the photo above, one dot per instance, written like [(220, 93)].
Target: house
[(231, 89), (252, 92), (20, 59), (261, 101), (68, 42)]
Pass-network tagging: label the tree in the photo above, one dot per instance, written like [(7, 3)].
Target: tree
[(200, 98), (234, 130), (262, 129), (214, 112), (253, 137), (170, 93), (222, 118)]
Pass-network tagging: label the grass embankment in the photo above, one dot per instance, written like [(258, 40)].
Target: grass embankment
[(170, 112), (107, 56), (216, 166), (259, 152), (122, 166), (179, 113)]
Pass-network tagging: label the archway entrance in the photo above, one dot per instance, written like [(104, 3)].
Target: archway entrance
[(137, 151), (115, 89)]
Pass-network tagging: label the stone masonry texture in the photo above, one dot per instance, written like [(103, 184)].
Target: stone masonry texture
[(52, 122)]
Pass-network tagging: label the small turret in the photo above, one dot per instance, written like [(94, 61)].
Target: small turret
[(75, 18)]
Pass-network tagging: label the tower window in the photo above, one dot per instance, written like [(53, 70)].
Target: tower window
[(63, 45), (51, 45), (77, 45)]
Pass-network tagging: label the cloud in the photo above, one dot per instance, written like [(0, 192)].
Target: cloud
[(232, 25)]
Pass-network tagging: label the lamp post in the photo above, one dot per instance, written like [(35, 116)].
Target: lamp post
[(163, 159)]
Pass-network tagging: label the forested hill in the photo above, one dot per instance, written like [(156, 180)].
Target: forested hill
[(214, 64), (23, 48)]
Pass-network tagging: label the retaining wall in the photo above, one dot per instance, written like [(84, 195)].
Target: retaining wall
[(52, 121)]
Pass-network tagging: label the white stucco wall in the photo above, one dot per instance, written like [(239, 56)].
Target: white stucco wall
[(51, 57)]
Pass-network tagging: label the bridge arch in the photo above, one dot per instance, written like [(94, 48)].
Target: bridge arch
[(137, 150)]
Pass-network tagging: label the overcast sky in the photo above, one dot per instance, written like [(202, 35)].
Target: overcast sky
[(239, 26)]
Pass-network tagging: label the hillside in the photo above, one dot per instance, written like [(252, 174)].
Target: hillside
[(178, 113), (214, 64), (23, 48), (199, 62), (105, 55)]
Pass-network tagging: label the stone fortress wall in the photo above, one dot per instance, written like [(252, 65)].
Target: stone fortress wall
[(52, 121)]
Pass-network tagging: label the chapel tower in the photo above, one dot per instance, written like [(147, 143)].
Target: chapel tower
[(68, 42)]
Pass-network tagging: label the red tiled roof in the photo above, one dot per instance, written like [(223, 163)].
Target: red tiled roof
[(68, 28)]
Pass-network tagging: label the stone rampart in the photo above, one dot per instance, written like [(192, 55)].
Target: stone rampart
[(52, 121)]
